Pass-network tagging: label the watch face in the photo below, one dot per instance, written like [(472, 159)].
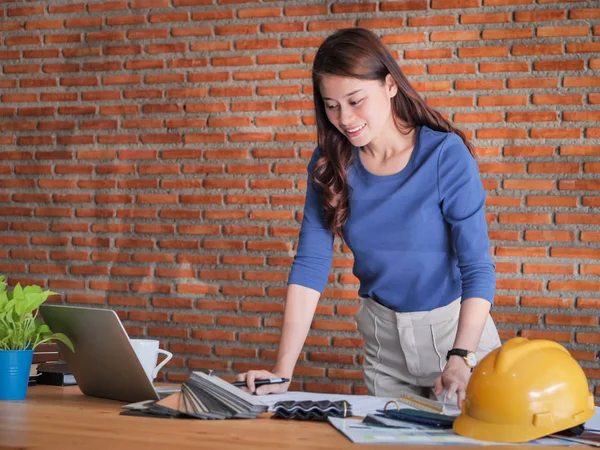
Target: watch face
[(472, 359)]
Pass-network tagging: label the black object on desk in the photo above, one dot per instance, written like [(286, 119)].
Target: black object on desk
[(55, 374), (311, 410), (421, 417), (262, 382)]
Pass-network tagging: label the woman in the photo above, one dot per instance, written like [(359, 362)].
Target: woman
[(399, 184)]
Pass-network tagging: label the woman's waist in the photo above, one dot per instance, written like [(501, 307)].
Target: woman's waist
[(447, 309)]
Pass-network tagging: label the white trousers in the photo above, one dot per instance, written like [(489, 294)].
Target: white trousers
[(406, 352)]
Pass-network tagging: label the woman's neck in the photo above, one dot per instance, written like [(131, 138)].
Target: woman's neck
[(391, 144)]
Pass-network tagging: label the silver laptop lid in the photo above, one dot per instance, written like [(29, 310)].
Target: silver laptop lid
[(104, 363)]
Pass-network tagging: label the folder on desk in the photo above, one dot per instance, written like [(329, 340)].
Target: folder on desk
[(202, 396)]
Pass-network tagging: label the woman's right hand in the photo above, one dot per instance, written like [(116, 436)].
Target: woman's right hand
[(252, 375)]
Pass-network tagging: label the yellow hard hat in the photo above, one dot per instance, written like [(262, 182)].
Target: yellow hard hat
[(524, 390)]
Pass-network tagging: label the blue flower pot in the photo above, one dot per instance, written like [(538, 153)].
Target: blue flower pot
[(14, 373)]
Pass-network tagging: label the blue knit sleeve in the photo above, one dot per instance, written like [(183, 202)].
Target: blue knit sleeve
[(315, 245), (463, 198)]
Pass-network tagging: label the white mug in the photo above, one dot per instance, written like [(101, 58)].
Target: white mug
[(147, 351)]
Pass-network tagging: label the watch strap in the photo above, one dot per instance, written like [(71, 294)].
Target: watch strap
[(458, 352)]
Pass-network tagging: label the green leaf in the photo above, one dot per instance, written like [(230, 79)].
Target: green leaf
[(32, 289), (34, 298), (41, 329), (10, 310), (19, 327), (18, 292), (59, 337)]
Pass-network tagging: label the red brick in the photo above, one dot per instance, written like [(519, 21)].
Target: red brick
[(392, 22), (262, 307), (127, 301), (430, 21), (555, 285), (484, 18), (258, 337), (259, 12), (580, 150), (532, 83), (566, 252), (589, 303), (505, 300), (584, 219), (549, 235), (524, 285), (553, 167), (347, 342), (168, 332), (555, 201), (241, 352), (333, 325), (590, 236), (557, 336), (345, 374), (86, 299), (521, 251), (331, 388), (552, 319), (588, 338), (525, 218), (404, 5), (244, 291), (520, 318), (336, 358), (306, 10), (547, 302)]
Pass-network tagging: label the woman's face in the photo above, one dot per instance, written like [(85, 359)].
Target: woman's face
[(359, 109)]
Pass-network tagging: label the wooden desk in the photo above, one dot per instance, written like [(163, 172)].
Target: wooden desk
[(63, 418)]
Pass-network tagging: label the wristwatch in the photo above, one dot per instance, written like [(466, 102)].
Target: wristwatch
[(469, 356)]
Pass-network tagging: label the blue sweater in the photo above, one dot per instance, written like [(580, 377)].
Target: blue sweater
[(419, 236)]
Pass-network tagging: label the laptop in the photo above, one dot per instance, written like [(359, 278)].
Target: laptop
[(104, 363)]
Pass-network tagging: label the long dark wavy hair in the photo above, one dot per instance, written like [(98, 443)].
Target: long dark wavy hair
[(359, 53)]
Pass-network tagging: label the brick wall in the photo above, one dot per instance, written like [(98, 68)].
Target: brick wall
[(154, 152)]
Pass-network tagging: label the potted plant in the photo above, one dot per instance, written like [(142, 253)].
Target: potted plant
[(20, 333)]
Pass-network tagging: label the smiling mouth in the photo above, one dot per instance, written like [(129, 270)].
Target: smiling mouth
[(355, 130)]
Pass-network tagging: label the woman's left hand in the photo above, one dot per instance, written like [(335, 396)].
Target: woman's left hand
[(453, 379)]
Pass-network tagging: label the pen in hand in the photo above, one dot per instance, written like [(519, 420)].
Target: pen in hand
[(262, 382)]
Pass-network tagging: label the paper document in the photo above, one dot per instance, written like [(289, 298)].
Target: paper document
[(587, 437), (359, 433), (361, 404), (594, 423)]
